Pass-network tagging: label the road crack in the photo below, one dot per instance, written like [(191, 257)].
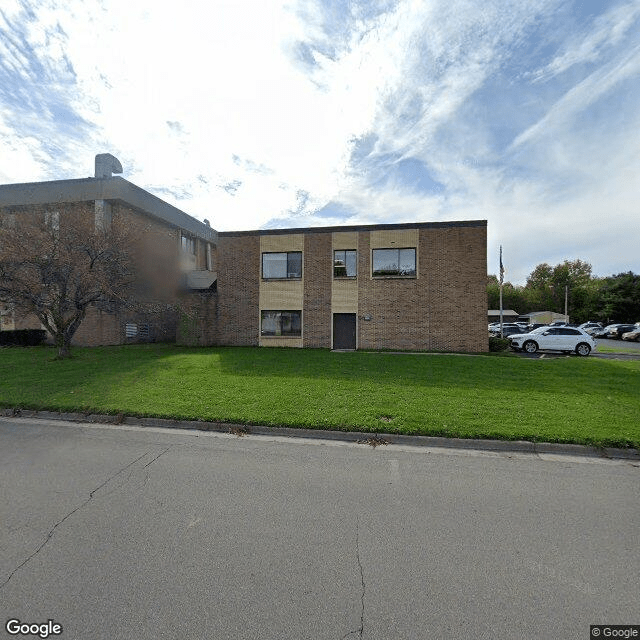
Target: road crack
[(360, 630), (73, 511)]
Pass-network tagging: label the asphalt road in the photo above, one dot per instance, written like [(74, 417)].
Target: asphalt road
[(125, 532)]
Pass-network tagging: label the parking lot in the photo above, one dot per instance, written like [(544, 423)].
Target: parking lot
[(624, 350)]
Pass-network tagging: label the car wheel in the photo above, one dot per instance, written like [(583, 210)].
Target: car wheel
[(530, 346), (583, 349)]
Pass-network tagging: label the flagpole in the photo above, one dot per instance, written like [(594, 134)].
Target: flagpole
[(501, 279)]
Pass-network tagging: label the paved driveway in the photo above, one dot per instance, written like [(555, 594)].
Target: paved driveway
[(123, 532)]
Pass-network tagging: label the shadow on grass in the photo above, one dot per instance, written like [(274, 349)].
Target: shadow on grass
[(575, 375), (509, 398), (113, 366)]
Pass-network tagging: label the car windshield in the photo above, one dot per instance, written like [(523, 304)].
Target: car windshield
[(539, 330)]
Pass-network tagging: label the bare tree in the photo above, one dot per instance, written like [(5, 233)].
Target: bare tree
[(55, 267)]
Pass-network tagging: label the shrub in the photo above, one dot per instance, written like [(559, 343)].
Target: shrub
[(22, 337), (498, 344)]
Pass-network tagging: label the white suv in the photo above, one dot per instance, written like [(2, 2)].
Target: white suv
[(564, 339)]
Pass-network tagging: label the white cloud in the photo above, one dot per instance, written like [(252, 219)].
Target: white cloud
[(607, 30), (250, 112)]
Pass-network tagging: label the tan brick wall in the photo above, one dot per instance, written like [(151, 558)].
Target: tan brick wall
[(455, 262), (155, 247), (443, 309), (197, 322), (318, 274), (238, 266)]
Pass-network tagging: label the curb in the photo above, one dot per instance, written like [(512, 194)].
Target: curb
[(344, 436)]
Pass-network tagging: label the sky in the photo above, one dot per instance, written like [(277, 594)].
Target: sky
[(260, 114)]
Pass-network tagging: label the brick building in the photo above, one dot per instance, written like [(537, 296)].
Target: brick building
[(417, 286), (174, 249)]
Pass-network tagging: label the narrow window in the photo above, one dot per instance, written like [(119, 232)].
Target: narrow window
[(394, 262), (345, 264), (281, 323), (188, 244), (282, 265)]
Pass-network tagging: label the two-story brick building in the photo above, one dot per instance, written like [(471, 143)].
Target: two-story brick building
[(416, 286)]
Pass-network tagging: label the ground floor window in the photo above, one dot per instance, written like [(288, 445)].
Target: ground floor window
[(281, 323)]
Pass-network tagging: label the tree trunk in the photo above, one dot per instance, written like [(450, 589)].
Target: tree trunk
[(63, 344), (64, 351)]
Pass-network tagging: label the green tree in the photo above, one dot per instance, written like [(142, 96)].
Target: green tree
[(56, 269), (620, 298), (547, 287), (513, 296)]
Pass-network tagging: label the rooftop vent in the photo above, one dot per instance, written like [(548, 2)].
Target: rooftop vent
[(107, 165)]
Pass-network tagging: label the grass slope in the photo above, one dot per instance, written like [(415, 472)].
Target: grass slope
[(581, 400)]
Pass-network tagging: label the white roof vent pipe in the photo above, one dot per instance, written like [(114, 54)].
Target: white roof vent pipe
[(107, 165)]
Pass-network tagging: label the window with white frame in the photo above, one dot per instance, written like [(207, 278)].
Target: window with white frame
[(393, 262), (281, 323), (282, 265), (345, 264)]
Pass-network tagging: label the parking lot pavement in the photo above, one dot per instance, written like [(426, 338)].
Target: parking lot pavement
[(624, 351), (619, 344)]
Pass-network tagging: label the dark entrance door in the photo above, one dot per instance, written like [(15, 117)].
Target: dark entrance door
[(344, 330)]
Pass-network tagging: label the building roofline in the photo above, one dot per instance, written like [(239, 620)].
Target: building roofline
[(114, 189), (362, 227)]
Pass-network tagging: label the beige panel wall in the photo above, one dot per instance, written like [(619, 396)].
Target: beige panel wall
[(269, 341), (286, 242), (345, 240), (344, 296), (401, 238), (344, 293), (281, 295)]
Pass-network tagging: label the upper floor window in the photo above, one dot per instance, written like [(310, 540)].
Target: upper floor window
[(345, 264), (282, 265), (188, 244), (394, 262)]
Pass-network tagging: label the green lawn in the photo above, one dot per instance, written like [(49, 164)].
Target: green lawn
[(582, 400)]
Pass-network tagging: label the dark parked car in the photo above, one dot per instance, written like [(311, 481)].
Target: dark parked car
[(598, 333), (616, 330)]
